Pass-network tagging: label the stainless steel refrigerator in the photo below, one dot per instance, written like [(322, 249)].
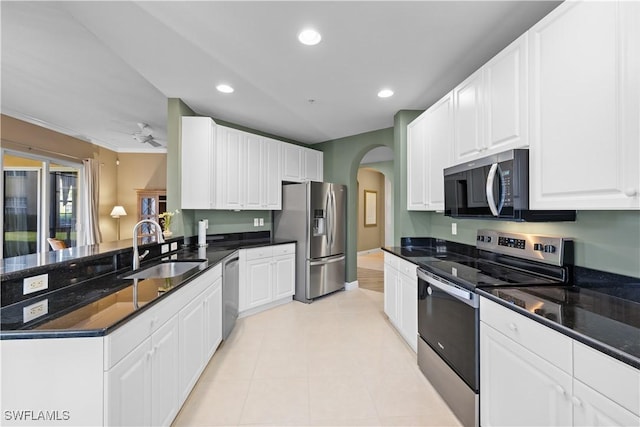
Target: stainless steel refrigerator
[(314, 214)]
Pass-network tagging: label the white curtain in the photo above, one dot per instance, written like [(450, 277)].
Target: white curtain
[(89, 200)]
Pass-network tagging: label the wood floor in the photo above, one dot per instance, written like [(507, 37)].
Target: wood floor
[(371, 271)]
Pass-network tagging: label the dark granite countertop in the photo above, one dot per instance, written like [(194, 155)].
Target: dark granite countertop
[(599, 309), (97, 306)]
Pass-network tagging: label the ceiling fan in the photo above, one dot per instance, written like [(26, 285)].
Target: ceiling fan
[(145, 135)]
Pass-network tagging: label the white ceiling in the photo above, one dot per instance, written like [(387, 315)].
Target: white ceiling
[(95, 69)]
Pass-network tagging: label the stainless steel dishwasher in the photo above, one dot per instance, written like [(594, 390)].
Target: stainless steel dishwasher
[(230, 293)]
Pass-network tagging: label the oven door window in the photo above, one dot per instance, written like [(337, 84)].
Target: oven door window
[(450, 327)]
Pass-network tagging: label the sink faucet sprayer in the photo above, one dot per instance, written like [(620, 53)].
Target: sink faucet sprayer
[(137, 257)]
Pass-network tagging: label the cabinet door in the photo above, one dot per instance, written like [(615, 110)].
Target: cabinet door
[(272, 192), (312, 165), (254, 181), (584, 74), (409, 309), (291, 162), (284, 279), (439, 139), (258, 286), (197, 147), (391, 293), (165, 397), (417, 173), (468, 118), (231, 177), (506, 98), (519, 388), (212, 319), (593, 409), (191, 345), (128, 389)]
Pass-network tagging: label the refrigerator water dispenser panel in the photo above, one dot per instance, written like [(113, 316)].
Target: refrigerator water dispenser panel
[(319, 220)]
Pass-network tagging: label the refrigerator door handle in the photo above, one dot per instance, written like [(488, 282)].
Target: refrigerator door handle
[(328, 260), (327, 204)]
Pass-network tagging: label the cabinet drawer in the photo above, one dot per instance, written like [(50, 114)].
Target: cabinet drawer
[(257, 253), (612, 378), (543, 341), (284, 249), (407, 268), (391, 260)]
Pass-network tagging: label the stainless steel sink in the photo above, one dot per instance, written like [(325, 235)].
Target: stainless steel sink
[(166, 270)]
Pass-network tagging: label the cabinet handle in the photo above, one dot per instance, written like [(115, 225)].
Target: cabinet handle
[(630, 192), (513, 327), (576, 401), (560, 390)]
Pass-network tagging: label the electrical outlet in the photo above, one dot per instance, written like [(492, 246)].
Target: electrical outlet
[(256, 222), (34, 311), (174, 246), (454, 228), (261, 222), (164, 249), (35, 284)]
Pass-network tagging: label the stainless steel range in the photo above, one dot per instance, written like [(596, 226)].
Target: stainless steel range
[(448, 315)]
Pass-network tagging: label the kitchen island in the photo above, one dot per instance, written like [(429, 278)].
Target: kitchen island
[(112, 350)]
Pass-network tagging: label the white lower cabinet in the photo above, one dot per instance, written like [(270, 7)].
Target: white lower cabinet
[(401, 297), (533, 375), (143, 386), (267, 277), (518, 387), (147, 385)]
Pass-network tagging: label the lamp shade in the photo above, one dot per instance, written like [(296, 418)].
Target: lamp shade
[(118, 211)]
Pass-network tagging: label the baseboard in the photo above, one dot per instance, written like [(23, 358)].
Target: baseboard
[(267, 306), (349, 286), (370, 251)]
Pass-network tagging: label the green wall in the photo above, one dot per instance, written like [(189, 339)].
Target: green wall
[(341, 162)]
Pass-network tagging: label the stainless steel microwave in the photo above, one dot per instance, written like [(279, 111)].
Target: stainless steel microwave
[(494, 187)]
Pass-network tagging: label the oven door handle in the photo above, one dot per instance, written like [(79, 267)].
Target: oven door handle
[(467, 297)]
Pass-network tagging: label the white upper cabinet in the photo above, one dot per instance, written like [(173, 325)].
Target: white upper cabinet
[(429, 151), (585, 93), (506, 98), (301, 164), (198, 145), (313, 165), (491, 106), (225, 168), (417, 173), (468, 117)]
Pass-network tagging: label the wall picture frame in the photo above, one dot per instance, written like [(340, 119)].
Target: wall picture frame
[(370, 208)]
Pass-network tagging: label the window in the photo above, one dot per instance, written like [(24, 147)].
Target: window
[(36, 209)]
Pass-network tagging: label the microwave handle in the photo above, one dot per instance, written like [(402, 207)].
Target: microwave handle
[(495, 209)]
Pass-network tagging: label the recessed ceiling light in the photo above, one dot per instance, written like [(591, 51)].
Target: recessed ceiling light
[(309, 37), (385, 93), (224, 88)]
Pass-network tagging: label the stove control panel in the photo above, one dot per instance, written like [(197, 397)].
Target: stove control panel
[(548, 249)]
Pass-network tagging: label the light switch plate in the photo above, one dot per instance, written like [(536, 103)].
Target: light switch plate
[(454, 228), (174, 246), (35, 284), (261, 222), (164, 249)]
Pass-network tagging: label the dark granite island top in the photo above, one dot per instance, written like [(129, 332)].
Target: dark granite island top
[(95, 306)]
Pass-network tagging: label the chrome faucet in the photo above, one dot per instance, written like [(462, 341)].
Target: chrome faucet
[(136, 256)]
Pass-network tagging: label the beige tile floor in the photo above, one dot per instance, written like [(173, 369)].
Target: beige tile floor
[(334, 362)]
